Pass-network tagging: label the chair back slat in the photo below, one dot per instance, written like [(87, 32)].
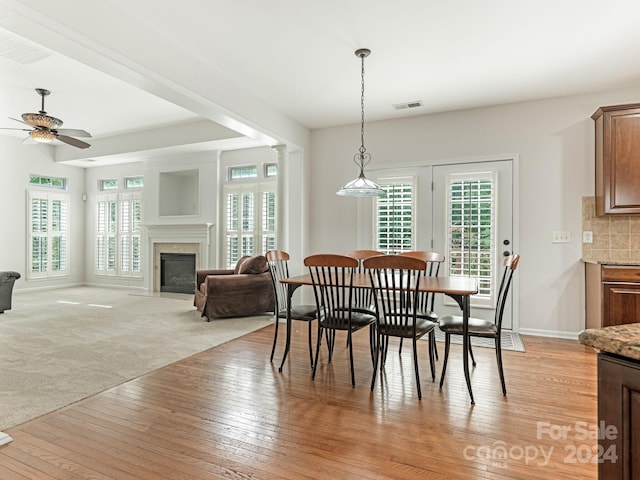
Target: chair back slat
[(279, 267), (332, 279), (426, 300), (363, 297), (396, 281)]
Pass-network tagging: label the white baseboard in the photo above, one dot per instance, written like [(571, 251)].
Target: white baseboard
[(549, 333)]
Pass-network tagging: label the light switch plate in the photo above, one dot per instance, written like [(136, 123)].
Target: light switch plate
[(587, 236), (561, 237)]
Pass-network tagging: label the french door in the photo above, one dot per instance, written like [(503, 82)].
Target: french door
[(472, 205)]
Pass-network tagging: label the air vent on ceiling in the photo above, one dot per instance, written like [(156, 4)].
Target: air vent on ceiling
[(19, 50), (402, 106)]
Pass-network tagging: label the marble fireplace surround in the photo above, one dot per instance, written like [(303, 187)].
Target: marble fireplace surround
[(194, 239)]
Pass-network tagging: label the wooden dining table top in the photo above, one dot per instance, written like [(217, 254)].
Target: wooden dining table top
[(440, 284)]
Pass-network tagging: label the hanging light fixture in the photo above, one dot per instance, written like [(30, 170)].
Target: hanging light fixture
[(361, 186)]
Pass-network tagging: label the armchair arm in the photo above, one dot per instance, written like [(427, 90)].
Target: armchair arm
[(201, 275)]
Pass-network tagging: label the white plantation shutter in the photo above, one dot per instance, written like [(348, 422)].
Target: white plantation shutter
[(48, 232), (118, 239), (471, 206), (394, 215), (250, 220)]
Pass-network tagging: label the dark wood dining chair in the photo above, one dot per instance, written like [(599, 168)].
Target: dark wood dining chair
[(427, 299), (363, 296), (332, 279), (396, 287), (279, 267), (453, 325)]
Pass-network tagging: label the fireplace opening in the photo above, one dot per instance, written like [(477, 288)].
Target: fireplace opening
[(177, 272)]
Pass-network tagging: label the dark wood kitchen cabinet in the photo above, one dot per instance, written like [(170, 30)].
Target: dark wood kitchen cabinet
[(617, 130), (618, 417), (612, 295)]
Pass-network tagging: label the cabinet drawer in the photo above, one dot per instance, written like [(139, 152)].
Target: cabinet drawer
[(611, 273)]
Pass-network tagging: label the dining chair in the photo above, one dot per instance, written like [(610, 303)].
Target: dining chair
[(363, 297), (453, 325), (427, 299), (332, 280), (396, 287), (279, 267)]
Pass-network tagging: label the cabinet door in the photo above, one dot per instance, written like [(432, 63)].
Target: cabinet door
[(621, 303), (619, 418), (618, 168)]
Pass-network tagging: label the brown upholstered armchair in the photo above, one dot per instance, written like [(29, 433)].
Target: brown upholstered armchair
[(243, 291)]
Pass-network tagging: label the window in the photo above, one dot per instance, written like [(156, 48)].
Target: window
[(471, 228), (118, 239), (134, 182), (394, 215), (110, 184), (240, 173), (50, 182), (250, 221), (271, 170), (48, 234)]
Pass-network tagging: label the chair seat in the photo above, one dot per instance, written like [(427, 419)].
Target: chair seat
[(300, 312), (423, 326), (427, 315), (341, 322), (477, 326)]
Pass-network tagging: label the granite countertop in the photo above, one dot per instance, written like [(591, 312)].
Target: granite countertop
[(623, 340), (611, 262)]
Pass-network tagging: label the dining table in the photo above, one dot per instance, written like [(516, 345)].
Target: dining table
[(460, 289)]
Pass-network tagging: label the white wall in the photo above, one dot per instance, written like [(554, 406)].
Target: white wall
[(555, 142), (17, 162)]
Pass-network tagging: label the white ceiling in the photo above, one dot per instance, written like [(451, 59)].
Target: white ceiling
[(298, 55)]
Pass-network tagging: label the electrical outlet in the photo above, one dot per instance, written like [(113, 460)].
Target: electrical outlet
[(561, 237), (587, 236)]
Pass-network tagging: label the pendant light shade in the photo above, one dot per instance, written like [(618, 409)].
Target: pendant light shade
[(361, 186)]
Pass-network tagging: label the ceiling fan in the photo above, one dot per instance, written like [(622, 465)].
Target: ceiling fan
[(45, 128)]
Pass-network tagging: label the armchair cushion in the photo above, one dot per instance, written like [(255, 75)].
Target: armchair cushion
[(255, 265)]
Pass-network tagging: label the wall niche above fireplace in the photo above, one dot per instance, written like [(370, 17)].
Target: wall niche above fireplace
[(179, 193)]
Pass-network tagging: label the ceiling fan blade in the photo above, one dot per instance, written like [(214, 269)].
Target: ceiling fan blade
[(72, 141), (19, 129), (74, 132), (11, 118)]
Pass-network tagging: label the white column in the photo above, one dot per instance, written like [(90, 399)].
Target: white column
[(282, 214)]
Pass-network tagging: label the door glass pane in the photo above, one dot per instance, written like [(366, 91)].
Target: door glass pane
[(471, 229)]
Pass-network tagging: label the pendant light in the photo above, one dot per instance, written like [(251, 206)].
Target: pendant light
[(361, 186)]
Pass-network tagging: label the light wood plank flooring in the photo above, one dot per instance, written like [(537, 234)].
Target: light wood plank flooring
[(228, 413)]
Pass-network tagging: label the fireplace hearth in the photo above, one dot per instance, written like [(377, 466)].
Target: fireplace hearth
[(177, 272)]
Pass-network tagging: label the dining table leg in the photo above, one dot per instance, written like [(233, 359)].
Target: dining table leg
[(290, 289), (464, 302)]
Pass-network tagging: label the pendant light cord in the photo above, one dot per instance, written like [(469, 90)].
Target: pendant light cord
[(362, 147)]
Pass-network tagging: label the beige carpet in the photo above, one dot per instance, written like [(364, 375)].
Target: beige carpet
[(60, 346)]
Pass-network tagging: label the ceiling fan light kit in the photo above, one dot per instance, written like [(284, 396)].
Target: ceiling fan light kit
[(41, 136), (46, 128), (361, 186)]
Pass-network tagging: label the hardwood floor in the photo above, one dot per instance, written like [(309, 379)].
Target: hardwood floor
[(228, 413)]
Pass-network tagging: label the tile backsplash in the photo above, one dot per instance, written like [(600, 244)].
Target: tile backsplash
[(616, 238)]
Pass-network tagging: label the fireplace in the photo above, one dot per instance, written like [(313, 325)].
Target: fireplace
[(177, 272)]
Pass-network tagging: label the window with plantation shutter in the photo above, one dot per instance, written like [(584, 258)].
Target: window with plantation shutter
[(394, 215), (48, 233), (118, 235), (471, 229), (250, 220)]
